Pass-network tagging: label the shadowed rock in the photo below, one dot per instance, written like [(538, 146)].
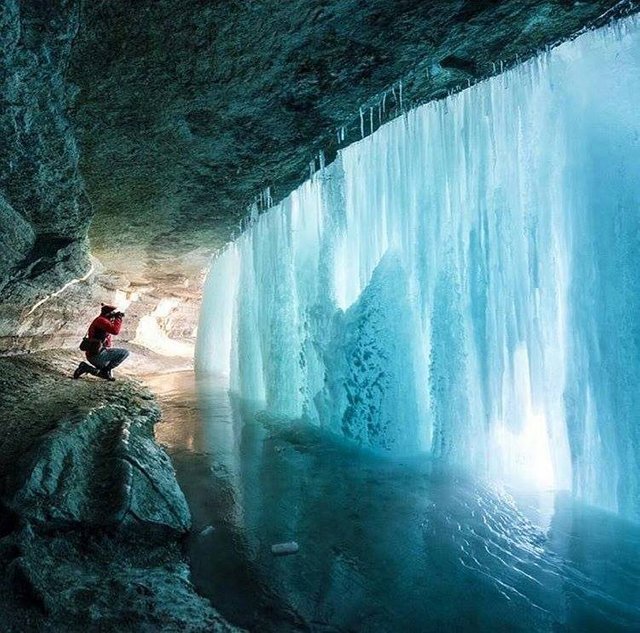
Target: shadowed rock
[(91, 515), (99, 470)]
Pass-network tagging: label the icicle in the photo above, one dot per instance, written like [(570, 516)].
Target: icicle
[(371, 119), (456, 252)]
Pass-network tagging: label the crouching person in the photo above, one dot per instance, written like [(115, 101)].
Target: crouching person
[(97, 345)]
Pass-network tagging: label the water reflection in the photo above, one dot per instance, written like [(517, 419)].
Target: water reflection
[(384, 545)]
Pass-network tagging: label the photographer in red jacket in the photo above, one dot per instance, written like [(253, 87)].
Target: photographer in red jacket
[(99, 351)]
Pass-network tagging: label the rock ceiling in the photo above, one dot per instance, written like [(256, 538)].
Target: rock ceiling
[(186, 111)]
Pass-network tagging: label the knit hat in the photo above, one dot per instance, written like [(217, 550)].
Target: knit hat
[(107, 309)]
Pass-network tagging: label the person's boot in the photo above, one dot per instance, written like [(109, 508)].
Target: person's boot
[(106, 373), (84, 368)]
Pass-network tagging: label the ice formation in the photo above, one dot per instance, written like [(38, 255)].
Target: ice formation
[(464, 281)]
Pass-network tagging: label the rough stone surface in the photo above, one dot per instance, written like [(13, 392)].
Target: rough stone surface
[(44, 214), (91, 513), (100, 469), (187, 111), (79, 582)]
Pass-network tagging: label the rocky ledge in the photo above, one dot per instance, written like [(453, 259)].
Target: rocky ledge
[(92, 516)]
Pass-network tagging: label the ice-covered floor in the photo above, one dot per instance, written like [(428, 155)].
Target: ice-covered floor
[(384, 545)]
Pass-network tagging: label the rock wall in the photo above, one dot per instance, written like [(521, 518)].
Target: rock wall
[(44, 213)]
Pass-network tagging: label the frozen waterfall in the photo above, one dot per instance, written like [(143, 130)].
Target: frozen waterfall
[(464, 281)]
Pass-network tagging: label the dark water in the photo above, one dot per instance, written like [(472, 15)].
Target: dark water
[(384, 545)]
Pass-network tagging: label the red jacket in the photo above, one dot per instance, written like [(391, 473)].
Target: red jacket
[(102, 328)]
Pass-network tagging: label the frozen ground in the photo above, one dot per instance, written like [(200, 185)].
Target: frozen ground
[(385, 545)]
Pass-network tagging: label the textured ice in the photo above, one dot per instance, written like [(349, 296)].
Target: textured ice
[(464, 281)]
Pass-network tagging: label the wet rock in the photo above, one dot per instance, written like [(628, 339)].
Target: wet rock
[(99, 469), (24, 583), (208, 531), (80, 582), (91, 514)]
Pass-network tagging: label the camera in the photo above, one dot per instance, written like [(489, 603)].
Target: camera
[(116, 315)]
